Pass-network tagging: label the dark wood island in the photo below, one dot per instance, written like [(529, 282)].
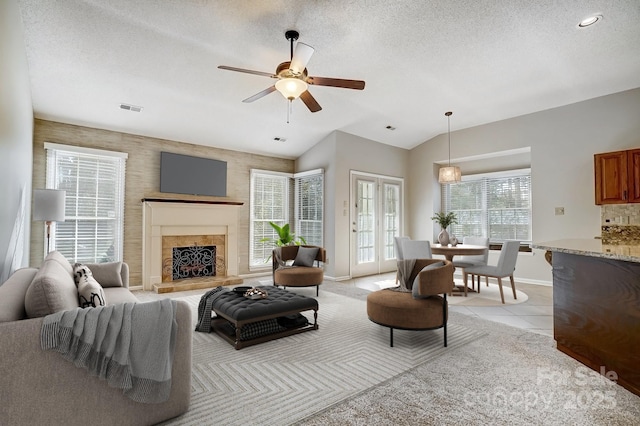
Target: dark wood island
[(596, 306)]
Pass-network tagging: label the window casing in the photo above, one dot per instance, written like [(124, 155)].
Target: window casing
[(94, 205), (309, 206), (274, 197), (494, 205), (269, 203)]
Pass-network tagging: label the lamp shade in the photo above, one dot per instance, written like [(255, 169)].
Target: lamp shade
[(449, 174), (291, 88), (48, 205)]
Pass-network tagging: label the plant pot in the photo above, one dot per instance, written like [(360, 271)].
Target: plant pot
[(443, 237)]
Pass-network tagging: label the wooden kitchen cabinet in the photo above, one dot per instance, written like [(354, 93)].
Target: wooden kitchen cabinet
[(617, 176)]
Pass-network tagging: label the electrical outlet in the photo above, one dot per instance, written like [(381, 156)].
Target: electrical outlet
[(559, 211)]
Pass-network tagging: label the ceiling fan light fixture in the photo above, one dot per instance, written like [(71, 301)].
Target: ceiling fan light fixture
[(300, 58), (291, 88)]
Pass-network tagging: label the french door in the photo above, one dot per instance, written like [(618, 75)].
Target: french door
[(376, 217)]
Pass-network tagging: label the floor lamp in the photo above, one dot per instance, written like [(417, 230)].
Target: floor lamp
[(48, 206)]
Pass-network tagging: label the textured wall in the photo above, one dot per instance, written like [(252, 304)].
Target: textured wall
[(143, 180), (16, 131)]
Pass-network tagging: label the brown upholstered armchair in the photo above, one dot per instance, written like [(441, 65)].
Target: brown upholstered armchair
[(298, 266), (421, 306)]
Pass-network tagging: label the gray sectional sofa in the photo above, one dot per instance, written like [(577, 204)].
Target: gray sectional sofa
[(40, 387)]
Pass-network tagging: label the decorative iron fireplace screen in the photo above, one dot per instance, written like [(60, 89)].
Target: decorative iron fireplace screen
[(194, 261)]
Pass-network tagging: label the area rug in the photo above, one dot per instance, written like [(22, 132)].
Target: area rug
[(346, 374), (509, 376), (286, 380)]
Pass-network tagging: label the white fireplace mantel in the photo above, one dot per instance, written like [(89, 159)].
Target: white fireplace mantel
[(162, 218)]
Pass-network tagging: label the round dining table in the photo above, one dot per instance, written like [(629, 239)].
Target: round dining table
[(458, 250)]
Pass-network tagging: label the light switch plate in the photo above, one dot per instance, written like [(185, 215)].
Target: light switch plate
[(559, 211)]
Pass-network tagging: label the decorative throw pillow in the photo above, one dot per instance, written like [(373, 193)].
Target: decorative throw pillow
[(59, 257), (305, 256), (416, 282), (90, 292), (107, 274), (52, 290)]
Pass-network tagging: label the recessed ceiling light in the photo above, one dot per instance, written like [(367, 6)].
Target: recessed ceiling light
[(589, 21)]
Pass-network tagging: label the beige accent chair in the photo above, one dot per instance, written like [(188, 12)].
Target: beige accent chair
[(295, 275), (422, 308), (505, 267)]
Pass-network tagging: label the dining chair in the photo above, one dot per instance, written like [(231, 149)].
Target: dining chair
[(467, 261), (416, 249), (505, 267), (397, 245)]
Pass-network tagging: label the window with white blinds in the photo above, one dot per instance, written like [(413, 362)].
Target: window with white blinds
[(494, 205), (309, 194), (94, 206), (271, 201)]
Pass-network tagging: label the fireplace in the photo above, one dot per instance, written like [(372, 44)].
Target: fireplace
[(193, 261), (192, 256), (203, 235)]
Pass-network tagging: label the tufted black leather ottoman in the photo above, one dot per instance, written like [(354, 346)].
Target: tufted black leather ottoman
[(234, 308)]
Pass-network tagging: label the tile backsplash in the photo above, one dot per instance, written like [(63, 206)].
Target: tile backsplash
[(620, 223)]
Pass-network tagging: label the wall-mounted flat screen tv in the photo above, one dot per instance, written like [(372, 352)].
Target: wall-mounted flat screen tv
[(184, 174)]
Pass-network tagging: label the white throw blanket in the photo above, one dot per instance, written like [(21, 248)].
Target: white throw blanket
[(130, 345)]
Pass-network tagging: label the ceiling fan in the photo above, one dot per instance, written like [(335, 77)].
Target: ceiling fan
[(293, 79)]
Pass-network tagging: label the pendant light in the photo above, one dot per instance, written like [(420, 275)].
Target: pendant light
[(449, 174)]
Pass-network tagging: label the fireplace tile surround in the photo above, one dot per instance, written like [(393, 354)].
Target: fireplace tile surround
[(169, 222)]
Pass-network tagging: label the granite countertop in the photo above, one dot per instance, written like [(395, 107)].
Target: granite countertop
[(592, 247)]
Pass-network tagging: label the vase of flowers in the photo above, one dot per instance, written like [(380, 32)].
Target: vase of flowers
[(444, 220)]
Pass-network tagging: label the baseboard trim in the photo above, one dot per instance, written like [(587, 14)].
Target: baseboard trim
[(343, 278)]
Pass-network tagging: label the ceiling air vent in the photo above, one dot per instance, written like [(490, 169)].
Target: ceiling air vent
[(133, 108)]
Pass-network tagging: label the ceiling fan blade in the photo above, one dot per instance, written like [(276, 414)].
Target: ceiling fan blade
[(301, 57), (336, 82), (258, 95), (264, 74), (310, 101)]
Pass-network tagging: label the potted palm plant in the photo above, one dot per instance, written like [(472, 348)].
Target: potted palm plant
[(444, 220), (285, 236)]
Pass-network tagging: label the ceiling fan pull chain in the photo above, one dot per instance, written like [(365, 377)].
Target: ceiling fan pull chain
[(289, 110)]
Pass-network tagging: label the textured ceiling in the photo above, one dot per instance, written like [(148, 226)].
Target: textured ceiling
[(485, 60)]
